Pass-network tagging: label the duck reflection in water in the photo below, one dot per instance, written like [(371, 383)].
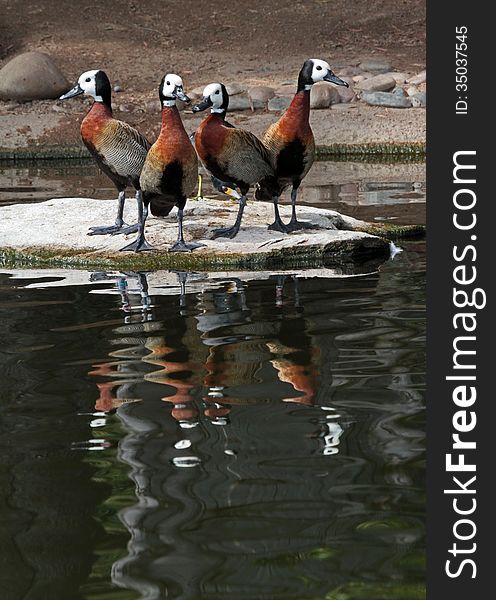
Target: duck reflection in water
[(211, 355)]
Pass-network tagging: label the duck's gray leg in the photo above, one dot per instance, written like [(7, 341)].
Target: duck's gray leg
[(294, 224), (181, 245), (140, 244), (119, 226), (277, 225)]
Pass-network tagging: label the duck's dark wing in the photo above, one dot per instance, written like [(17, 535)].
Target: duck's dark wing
[(123, 149), (245, 158)]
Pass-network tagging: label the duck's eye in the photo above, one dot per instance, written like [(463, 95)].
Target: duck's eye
[(167, 83), (217, 92), (88, 79), (319, 68)]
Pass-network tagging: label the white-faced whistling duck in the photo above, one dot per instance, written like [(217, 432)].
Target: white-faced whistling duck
[(118, 149), (170, 171), (235, 157), (291, 144)]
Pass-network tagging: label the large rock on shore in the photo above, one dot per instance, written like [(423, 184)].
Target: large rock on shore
[(379, 83), (323, 95), (387, 99), (31, 76)]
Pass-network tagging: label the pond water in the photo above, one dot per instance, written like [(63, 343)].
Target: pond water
[(384, 191), (242, 436)]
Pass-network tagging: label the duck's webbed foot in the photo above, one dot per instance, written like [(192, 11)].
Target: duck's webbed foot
[(182, 246), (139, 245), (127, 229), (119, 225), (112, 229), (278, 225), (228, 232), (232, 232), (295, 225)]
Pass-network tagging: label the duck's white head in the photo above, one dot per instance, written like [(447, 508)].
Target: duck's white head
[(314, 70), (171, 88), (94, 83), (216, 97)]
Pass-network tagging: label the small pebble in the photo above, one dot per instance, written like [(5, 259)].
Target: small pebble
[(126, 107), (419, 100), (386, 99), (419, 78), (117, 88)]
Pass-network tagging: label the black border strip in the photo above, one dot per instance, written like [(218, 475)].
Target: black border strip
[(449, 133)]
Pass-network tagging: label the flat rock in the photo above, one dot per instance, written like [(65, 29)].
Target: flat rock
[(279, 103), (57, 230), (387, 99), (379, 83), (32, 76), (375, 65), (261, 93), (323, 94)]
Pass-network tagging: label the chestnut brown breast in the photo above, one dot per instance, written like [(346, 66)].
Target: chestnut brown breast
[(171, 167)]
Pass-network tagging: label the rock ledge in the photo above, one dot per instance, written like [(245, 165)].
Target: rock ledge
[(55, 232)]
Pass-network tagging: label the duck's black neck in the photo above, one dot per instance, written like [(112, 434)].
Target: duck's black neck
[(305, 76), (103, 89)]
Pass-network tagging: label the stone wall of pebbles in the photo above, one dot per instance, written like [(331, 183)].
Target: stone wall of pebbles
[(374, 82)]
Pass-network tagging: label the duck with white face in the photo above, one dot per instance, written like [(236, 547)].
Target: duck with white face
[(118, 149), (235, 157), (291, 143), (315, 70), (170, 172)]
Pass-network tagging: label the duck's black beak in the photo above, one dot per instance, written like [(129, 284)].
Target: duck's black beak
[(203, 105), (76, 91), (331, 78), (179, 93)]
